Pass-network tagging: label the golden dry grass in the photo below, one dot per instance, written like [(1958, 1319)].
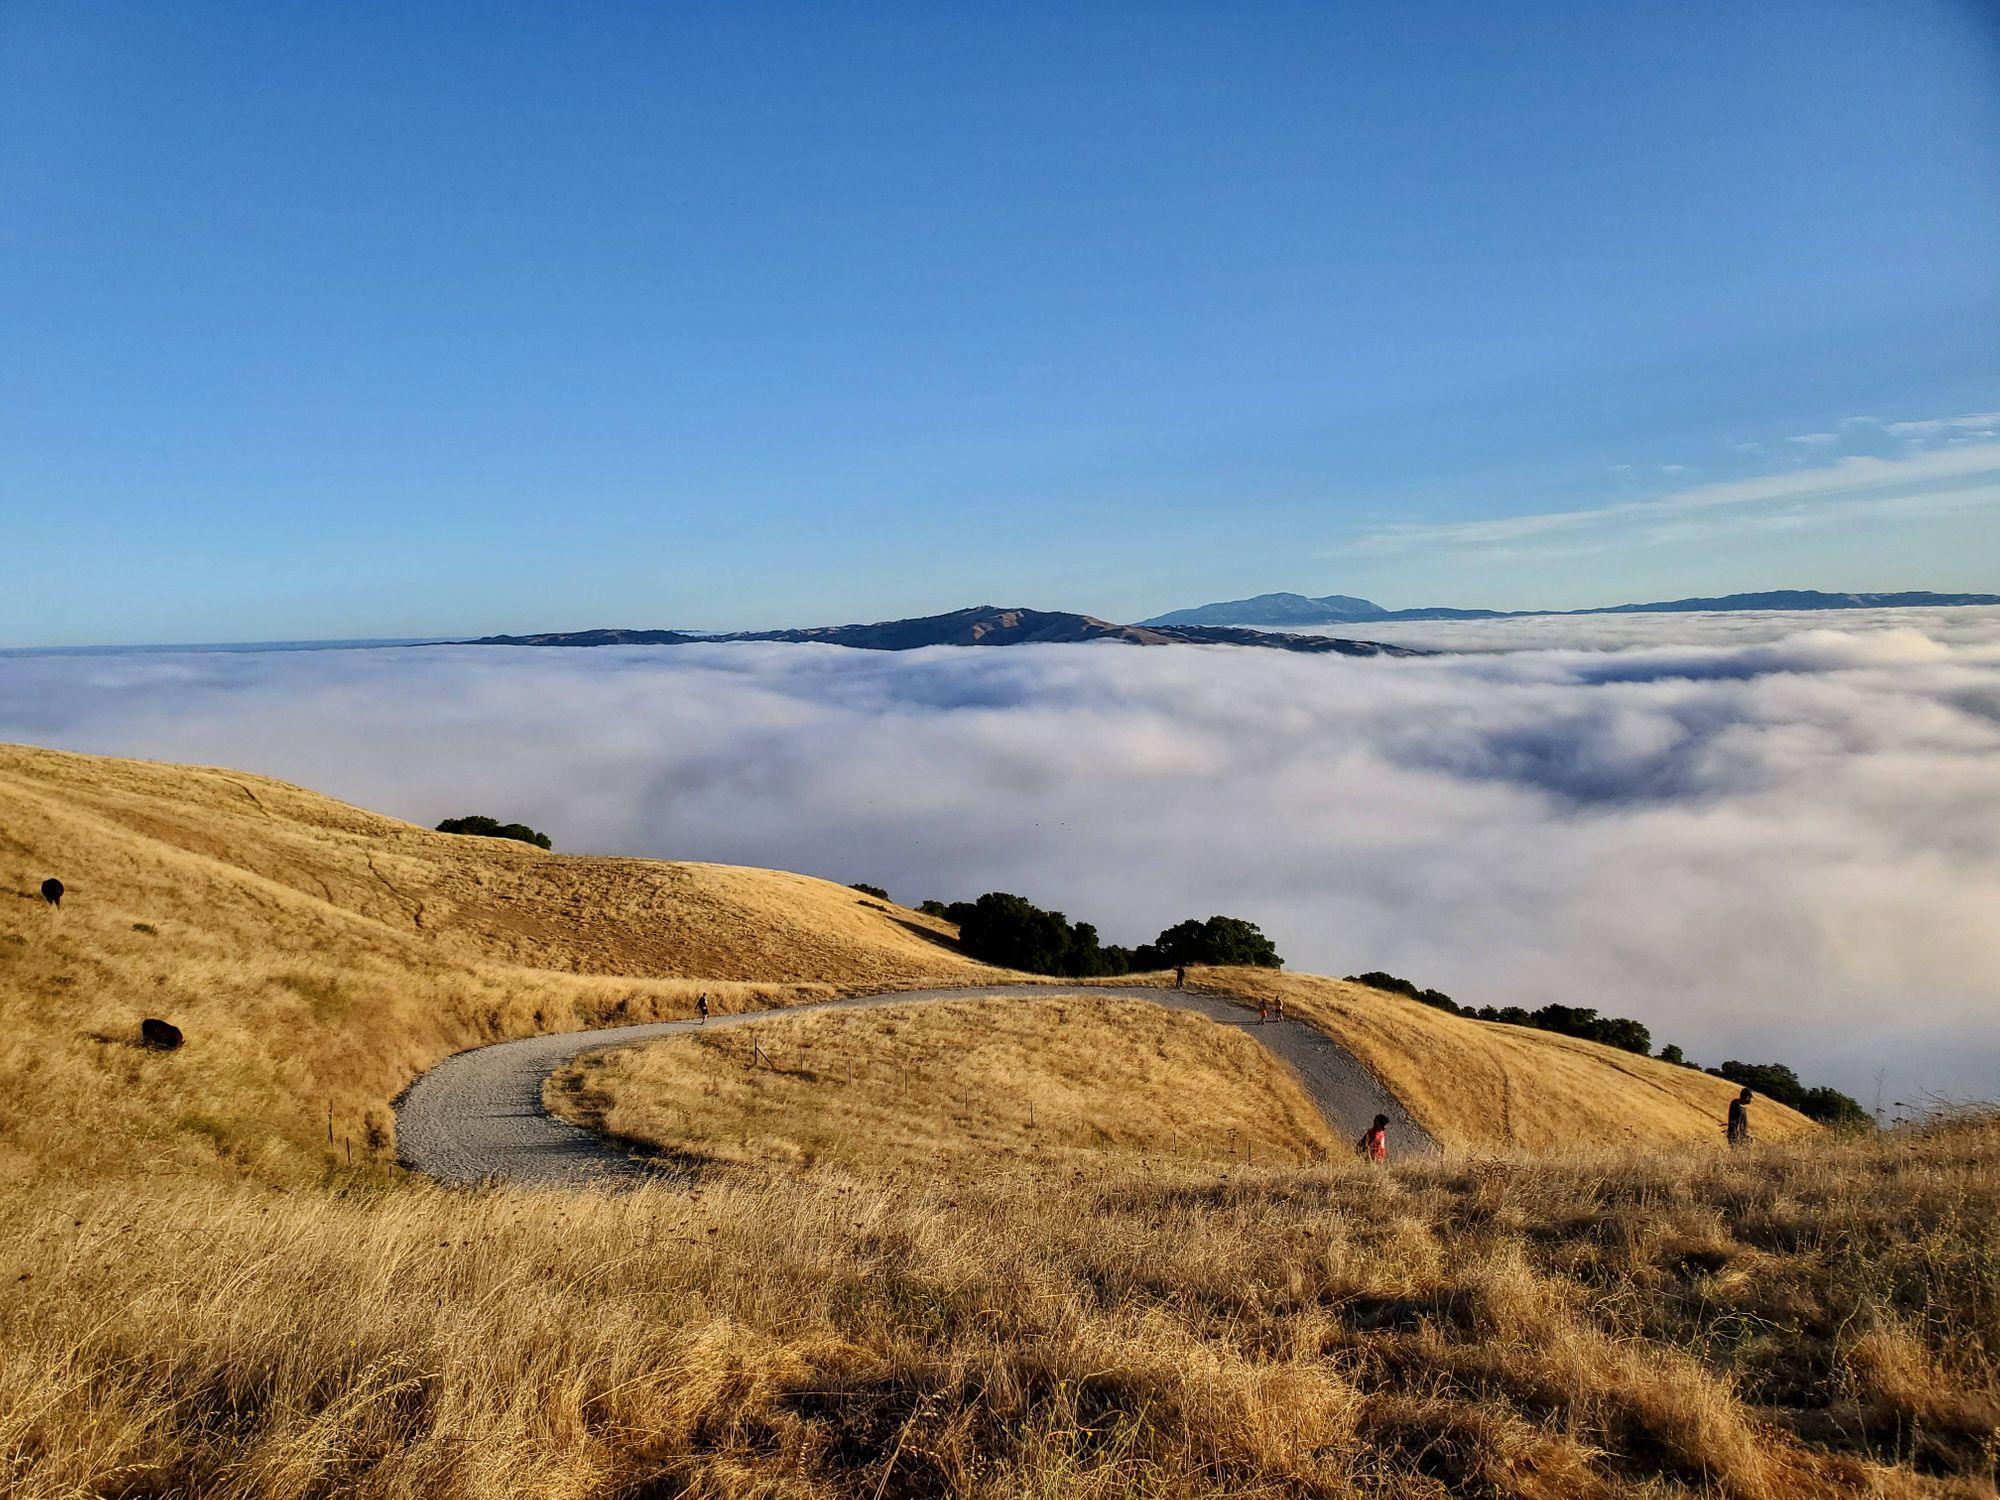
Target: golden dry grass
[(315, 954), (1478, 1084), (960, 1088), (1788, 1322), (477, 898)]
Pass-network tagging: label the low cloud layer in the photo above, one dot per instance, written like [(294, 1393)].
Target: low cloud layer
[(1785, 847)]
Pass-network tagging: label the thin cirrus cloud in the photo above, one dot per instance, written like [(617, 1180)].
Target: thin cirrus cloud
[(1778, 843), (1935, 467)]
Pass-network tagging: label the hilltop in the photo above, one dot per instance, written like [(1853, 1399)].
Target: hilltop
[(981, 625)]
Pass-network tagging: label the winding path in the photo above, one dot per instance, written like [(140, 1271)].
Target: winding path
[(477, 1116)]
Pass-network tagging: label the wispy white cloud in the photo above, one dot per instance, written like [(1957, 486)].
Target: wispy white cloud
[(1985, 424), (1772, 848), (1934, 475)]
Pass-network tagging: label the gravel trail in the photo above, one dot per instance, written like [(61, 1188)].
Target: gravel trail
[(477, 1116)]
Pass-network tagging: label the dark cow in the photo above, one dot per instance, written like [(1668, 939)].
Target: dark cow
[(52, 891), (162, 1034)]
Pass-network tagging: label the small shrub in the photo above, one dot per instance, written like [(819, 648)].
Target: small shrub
[(869, 890), (146, 927), (1376, 979), (491, 828)]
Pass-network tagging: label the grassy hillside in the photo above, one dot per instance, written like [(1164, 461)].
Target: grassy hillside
[(316, 954), (953, 1089), (1481, 1085)]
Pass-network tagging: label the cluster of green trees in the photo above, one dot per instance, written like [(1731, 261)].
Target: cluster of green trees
[(1009, 930), (1772, 1080), (1570, 1020), (869, 890), (493, 828)]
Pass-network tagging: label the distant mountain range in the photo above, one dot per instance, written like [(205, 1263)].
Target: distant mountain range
[(982, 625), (1344, 609)]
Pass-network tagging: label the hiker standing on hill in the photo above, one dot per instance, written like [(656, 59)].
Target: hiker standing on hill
[(1280, 1003), (1738, 1128), (1374, 1142), (1180, 976), (701, 1007)]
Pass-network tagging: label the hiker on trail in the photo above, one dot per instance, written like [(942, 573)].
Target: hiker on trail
[(1280, 1002), (1374, 1142), (1180, 976), (1263, 1013), (701, 1007), (1738, 1128)]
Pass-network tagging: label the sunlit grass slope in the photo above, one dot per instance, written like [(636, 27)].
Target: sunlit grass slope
[(316, 954), (1480, 1085), (1787, 1323), (953, 1089)]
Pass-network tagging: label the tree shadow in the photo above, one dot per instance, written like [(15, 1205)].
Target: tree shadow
[(930, 935)]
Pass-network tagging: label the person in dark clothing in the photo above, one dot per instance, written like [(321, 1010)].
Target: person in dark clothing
[(701, 1007), (1374, 1142), (1738, 1128), (1180, 976)]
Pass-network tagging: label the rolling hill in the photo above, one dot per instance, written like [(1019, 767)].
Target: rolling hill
[(316, 953)]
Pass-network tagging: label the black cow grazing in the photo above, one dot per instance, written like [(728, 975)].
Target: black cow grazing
[(52, 891), (162, 1034)]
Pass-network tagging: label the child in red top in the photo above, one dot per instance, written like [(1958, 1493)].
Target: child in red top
[(1374, 1142)]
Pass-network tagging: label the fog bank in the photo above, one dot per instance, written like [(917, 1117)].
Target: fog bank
[(1766, 845)]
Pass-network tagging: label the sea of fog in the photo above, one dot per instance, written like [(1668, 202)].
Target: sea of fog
[(1770, 837)]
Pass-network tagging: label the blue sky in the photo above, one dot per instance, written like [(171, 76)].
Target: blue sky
[(388, 320)]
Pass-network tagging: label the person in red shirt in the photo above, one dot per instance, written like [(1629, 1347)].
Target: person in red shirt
[(1374, 1142)]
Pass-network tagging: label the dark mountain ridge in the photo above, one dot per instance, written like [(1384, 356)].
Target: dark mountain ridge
[(1345, 609), (982, 625)]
